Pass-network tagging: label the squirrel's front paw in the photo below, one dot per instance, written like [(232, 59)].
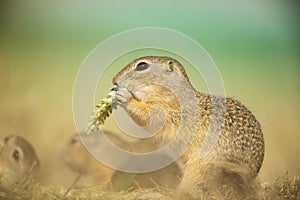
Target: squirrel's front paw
[(122, 97)]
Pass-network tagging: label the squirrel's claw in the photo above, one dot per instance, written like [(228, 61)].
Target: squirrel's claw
[(122, 96)]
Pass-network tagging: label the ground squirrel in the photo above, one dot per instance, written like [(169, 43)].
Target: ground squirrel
[(18, 159), (95, 173), (78, 159), (148, 84)]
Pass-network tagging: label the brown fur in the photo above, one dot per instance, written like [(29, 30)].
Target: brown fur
[(239, 151), (18, 159), (97, 174)]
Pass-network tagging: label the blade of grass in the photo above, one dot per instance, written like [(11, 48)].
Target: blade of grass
[(71, 187)]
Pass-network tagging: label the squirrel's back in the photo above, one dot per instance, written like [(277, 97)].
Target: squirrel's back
[(241, 139)]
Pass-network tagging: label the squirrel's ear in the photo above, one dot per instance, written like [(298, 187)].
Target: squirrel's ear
[(170, 67)]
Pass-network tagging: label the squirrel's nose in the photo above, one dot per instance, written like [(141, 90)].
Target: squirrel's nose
[(114, 81), (115, 88)]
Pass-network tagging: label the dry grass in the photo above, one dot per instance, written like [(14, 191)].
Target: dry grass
[(34, 190), (284, 187)]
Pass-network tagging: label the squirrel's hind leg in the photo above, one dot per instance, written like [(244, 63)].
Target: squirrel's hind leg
[(205, 179)]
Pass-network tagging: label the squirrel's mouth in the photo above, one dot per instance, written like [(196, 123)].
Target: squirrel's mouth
[(138, 93)]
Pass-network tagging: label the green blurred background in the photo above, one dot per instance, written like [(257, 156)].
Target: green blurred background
[(254, 44)]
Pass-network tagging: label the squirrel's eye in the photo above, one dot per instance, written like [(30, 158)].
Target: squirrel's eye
[(74, 141), (6, 139), (141, 66), (16, 155)]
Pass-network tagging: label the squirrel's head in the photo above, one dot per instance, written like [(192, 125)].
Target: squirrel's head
[(150, 69), (17, 158)]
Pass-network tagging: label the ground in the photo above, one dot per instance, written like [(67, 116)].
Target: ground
[(285, 187)]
